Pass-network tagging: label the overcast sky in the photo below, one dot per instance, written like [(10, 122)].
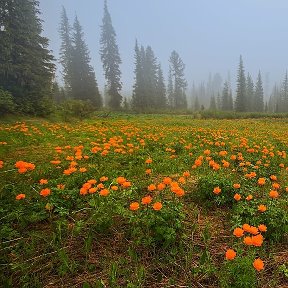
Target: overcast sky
[(209, 35)]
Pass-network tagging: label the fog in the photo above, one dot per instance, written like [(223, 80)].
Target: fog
[(208, 35)]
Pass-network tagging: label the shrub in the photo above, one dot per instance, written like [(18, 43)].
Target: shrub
[(7, 104)]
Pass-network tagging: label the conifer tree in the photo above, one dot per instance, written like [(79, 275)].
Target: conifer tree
[(230, 100), (83, 81), (26, 67), (66, 50), (138, 97), (283, 103), (111, 59), (250, 93), (180, 84), (225, 98), (259, 95), (240, 101), (170, 90), (160, 101)]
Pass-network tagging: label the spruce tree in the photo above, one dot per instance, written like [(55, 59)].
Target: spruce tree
[(138, 97), (283, 103), (26, 67), (170, 90), (250, 93), (66, 51), (230, 100), (240, 101), (259, 95), (83, 82), (180, 84), (160, 101), (225, 98), (111, 59)]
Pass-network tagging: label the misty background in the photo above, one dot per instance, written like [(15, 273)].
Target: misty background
[(208, 35)]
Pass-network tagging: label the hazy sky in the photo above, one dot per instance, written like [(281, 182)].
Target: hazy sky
[(209, 35)]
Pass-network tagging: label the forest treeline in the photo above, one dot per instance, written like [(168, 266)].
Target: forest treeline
[(28, 85)]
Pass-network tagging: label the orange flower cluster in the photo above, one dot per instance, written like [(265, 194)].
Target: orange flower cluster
[(23, 167), (256, 239)]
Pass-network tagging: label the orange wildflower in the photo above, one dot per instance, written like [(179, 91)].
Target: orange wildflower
[(167, 180), (45, 192), (114, 187), (276, 185), (83, 191), (148, 171), (248, 240), (262, 228), (92, 190), (230, 254), (249, 197), (216, 190), (134, 206), (273, 194), (237, 197), (43, 181), (161, 186), (238, 232), (103, 179), (20, 196), (55, 162), (126, 184), (82, 169), (246, 227), (261, 181), (253, 230), (120, 180), (273, 177), (152, 187), (104, 192), (146, 200), (1, 164), (262, 208), (148, 161), (157, 206), (60, 186), (92, 181), (186, 174), (236, 186), (258, 264)]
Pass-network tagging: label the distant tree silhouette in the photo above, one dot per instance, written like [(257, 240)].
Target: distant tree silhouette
[(83, 82), (259, 95), (176, 68), (111, 60), (240, 101)]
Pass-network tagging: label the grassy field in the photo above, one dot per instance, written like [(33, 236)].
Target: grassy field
[(144, 201)]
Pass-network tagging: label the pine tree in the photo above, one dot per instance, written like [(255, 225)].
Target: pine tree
[(250, 93), (111, 59), (150, 77), (160, 101), (170, 90), (240, 101), (230, 100), (66, 50), (225, 98), (83, 82), (283, 107), (26, 67), (259, 95), (180, 84)]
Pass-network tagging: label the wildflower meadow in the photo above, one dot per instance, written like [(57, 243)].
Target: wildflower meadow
[(144, 201)]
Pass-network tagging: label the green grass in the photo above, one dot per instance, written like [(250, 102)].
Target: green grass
[(71, 239)]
